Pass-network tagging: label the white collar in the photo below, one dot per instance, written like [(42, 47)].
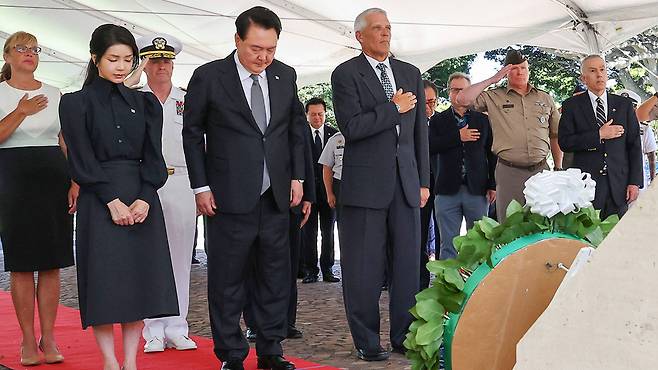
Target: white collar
[(593, 97), (321, 129), (374, 62), (175, 93), (243, 73)]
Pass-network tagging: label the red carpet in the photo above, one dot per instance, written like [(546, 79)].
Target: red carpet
[(79, 347)]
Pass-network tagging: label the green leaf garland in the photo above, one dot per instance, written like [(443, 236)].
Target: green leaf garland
[(446, 294)]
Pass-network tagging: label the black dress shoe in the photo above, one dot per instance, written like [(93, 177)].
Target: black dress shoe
[(294, 333), (274, 363), (377, 355), (330, 278), (232, 365), (251, 335), (195, 261), (310, 279)]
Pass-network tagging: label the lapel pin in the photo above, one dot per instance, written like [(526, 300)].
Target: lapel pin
[(276, 77), (132, 110)]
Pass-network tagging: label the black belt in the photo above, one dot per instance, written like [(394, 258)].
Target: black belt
[(532, 167)]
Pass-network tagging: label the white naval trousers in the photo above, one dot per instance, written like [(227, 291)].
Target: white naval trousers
[(179, 207)]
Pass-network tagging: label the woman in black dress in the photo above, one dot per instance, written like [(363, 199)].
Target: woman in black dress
[(114, 151), (36, 222)]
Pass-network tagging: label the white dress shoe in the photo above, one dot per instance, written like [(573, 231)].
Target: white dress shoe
[(181, 343), (154, 345)]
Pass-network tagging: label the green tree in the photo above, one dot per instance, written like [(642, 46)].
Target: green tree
[(323, 91), (439, 73), (555, 73)]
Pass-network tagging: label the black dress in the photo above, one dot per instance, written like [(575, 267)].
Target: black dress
[(114, 136)]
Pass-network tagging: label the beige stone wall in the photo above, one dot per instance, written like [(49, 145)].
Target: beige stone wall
[(606, 315)]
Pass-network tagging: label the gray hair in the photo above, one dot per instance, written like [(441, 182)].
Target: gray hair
[(360, 21), (457, 75), (587, 59)]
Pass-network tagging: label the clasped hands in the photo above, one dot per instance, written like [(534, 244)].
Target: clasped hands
[(123, 215)]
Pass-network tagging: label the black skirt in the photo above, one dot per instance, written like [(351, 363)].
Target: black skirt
[(124, 272), (35, 227)]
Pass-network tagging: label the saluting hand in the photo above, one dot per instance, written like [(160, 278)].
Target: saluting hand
[(502, 73), (120, 213), (610, 131), (139, 210), (133, 78), (468, 134), (32, 106), (406, 101)]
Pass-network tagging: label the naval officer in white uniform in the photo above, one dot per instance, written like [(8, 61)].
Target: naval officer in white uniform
[(158, 52)]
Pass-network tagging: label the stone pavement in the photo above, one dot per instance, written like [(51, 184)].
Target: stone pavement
[(321, 316)]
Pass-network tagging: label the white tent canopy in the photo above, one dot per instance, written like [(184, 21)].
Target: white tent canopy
[(318, 35)]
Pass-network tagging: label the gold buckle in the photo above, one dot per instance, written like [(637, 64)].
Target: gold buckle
[(170, 170)]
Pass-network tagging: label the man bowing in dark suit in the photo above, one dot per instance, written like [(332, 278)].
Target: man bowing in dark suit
[(246, 176), (602, 131), (318, 134), (385, 182)]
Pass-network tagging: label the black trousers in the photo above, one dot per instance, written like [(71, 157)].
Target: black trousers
[(604, 201), (327, 217), (426, 217), (243, 247), (373, 241), (295, 249)]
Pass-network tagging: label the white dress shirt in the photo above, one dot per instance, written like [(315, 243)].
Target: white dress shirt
[(321, 129), (247, 82), (604, 97)]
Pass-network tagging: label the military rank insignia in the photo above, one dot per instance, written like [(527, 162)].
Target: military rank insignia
[(180, 107)]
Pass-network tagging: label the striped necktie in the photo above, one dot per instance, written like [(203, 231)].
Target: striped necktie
[(600, 112)]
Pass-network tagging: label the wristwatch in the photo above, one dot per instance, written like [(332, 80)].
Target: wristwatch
[(397, 106)]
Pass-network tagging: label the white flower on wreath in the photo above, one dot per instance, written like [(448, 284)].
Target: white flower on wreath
[(551, 192)]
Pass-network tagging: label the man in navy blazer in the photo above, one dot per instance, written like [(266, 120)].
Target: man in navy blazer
[(384, 183), (246, 175), (465, 184), (602, 131)]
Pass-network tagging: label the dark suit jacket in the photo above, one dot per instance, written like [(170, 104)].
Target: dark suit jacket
[(579, 133), (231, 160), (321, 193), (480, 161), (373, 148), (309, 185)]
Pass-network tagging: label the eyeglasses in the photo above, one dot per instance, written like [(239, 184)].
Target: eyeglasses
[(36, 50), (455, 89), (430, 101)]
